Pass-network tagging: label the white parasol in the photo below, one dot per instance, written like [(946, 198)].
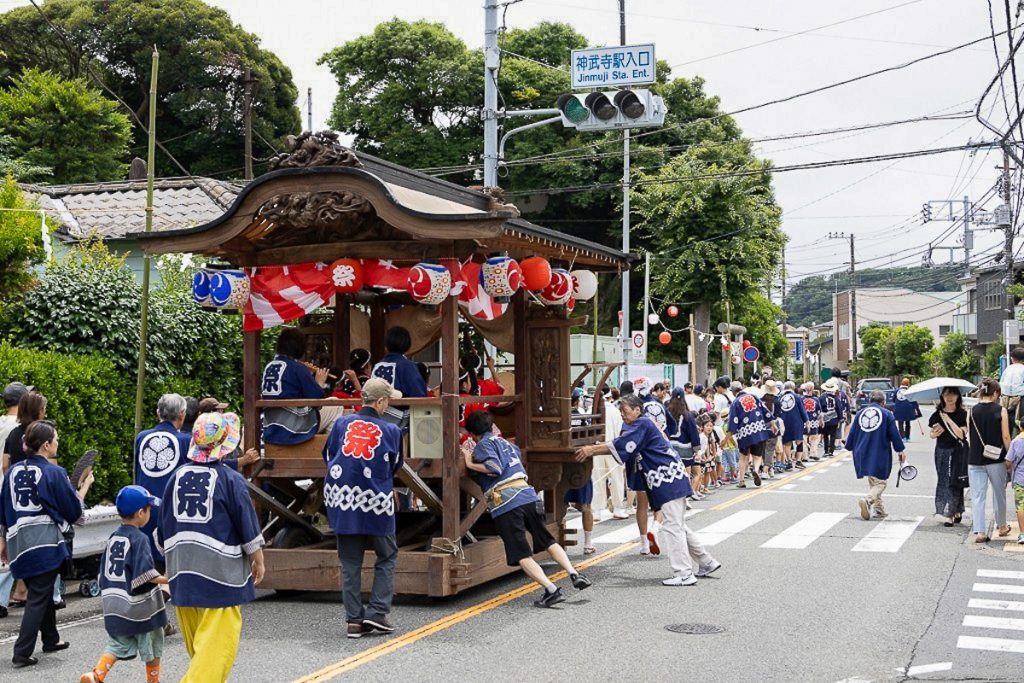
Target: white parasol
[(931, 389)]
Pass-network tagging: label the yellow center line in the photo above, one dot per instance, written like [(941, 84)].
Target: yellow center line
[(366, 656), (781, 482)]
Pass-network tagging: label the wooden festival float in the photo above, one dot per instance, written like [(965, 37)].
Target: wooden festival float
[(339, 218)]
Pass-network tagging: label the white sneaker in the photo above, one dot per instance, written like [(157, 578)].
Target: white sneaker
[(688, 506), (619, 513), (708, 570), (604, 516), (678, 580), (645, 546), (696, 496)]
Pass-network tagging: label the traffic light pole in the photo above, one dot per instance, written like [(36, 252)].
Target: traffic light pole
[(626, 341)]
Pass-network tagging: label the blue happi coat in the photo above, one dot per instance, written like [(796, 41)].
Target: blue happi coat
[(904, 409), (159, 452), (835, 402), (209, 528), (812, 406), (36, 502), (363, 453), (655, 409), (283, 378), (504, 463), (402, 374), (749, 420), (873, 437), (686, 432), (644, 449), (790, 408), (131, 603)]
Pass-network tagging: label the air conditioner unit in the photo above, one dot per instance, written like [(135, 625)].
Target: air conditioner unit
[(425, 432)]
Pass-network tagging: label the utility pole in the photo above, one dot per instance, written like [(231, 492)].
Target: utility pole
[(140, 375), (247, 123), (1008, 238), (948, 215), (625, 218), (647, 298), (785, 317), (853, 293), (309, 109), (492, 58)]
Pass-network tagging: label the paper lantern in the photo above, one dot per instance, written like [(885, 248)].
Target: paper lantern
[(536, 273), (559, 290), (570, 305), (665, 338), (501, 277), (229, 289), (673, 311), (584, 285), (347, 275), (746, 343), (201, 287), (429, 283), (653, 319)]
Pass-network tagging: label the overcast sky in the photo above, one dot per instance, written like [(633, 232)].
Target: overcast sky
[(877, 202)]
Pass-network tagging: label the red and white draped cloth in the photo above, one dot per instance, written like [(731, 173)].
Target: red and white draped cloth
[(283, 293)]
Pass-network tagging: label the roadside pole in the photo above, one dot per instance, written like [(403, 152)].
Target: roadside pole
[(492, 58), (625, 221), (140, 378)]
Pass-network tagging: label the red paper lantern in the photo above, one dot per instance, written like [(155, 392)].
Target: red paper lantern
[(347, 275), (429, 284), (536, 273), (559, 290), (501, 277), (665, 338), (673, 311), (746, 343), (570, 305)]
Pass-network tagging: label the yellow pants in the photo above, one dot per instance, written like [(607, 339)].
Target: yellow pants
[(211, 638)]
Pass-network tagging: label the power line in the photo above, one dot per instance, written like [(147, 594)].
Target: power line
[(764, 170)]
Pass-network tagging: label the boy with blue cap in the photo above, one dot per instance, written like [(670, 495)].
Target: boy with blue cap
[(133, 602)]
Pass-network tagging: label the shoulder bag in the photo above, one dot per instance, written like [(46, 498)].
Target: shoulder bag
[(988, 451), (958, 463)]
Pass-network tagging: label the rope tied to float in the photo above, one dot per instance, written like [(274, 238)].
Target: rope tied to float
[(447, 545)]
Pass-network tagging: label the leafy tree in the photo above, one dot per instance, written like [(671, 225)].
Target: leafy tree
[(21, 241), (993, 352), (66, 126), (955, 358), (13, 165), (875, 352), (910, 344), (200, 85)]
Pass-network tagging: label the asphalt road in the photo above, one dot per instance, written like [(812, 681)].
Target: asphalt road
[(808, 592)]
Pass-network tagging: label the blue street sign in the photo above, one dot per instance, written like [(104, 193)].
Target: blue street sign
[(751, 354), (798, 349)]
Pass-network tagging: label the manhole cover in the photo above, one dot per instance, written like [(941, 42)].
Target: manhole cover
[(697, 629)]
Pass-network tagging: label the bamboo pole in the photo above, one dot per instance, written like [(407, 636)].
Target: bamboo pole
[(140, 380)]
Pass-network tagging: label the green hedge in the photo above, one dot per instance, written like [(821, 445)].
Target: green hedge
[(92, 403)]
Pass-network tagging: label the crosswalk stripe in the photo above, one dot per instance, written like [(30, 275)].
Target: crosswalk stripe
[(1006, 605), (786, 487), (629, 532), (807, 477), (732, 525), (1005, 623), (804, 532), (998, 588), (1000, 574), (888, 536), (992, 644)]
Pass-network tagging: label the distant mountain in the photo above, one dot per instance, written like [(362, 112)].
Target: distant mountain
[(809, 301)]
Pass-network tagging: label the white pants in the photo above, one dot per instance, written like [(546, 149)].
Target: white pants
[(679, 541), (608, 472)]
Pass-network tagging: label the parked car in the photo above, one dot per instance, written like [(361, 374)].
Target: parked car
[(866, 386)]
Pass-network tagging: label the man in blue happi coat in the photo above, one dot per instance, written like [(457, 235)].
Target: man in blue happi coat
[(396, 369), (790, 408), (645, 449), (363, 453), (873, 437), (753, 425), (904, 410)]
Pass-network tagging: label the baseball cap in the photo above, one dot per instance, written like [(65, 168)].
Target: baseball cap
[(13, 393), (376, 388), (133, 498)]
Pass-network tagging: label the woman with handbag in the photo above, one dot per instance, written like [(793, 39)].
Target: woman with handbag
[(989, 435), (949, 429)]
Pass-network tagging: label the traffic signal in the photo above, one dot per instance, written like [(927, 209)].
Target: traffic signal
[(926, 212), (612, 109)]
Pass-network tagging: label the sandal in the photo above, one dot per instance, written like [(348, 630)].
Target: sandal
[(958, 518), (1004, 530), (981, 538)]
